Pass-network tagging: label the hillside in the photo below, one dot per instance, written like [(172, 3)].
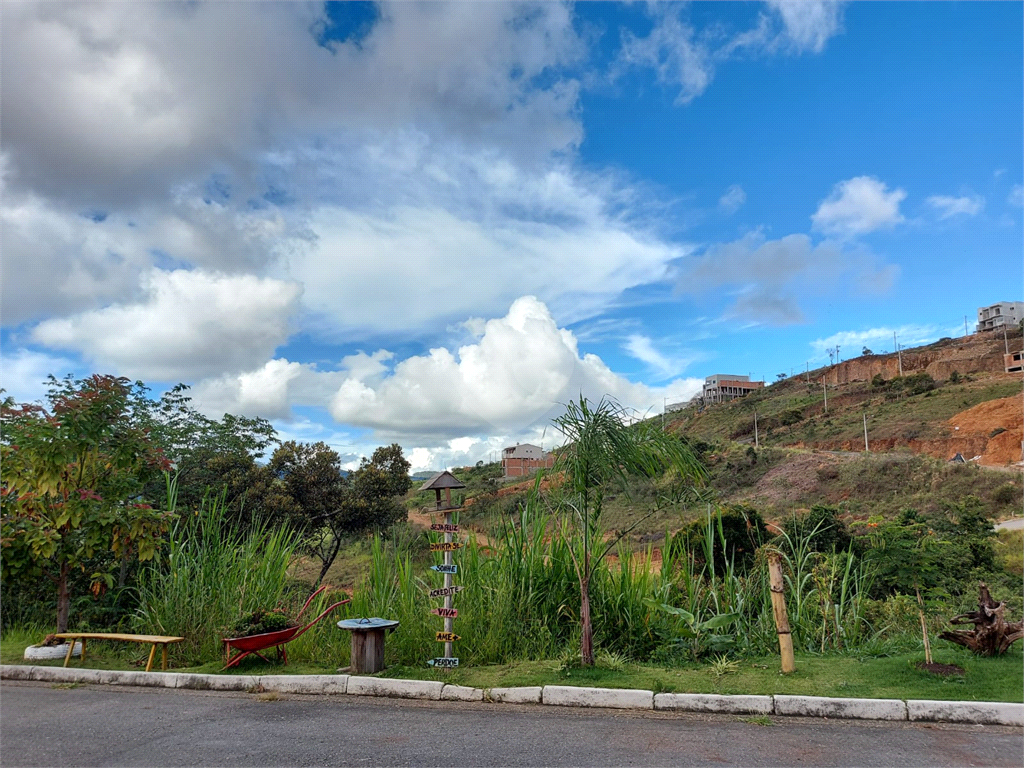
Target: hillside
[(953, 398)]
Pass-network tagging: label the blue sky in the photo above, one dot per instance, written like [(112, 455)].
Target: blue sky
[(433, 224)]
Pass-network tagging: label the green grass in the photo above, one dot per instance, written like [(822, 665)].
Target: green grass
[(985, 679), (998, 679)]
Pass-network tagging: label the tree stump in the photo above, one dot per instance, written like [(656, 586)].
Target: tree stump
[(992, 634)]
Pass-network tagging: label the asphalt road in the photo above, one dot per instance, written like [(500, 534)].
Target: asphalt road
[(41, 724), (1011, 525)]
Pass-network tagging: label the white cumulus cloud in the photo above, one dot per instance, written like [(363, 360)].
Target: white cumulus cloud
[(519, 373), (191, 324), (858, 206)]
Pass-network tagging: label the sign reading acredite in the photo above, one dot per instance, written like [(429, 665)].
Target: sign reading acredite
[(445, 591)]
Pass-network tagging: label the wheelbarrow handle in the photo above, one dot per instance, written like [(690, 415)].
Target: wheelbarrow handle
[(310, 600), (314, 621)]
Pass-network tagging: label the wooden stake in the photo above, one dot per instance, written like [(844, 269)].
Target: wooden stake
[(781, 619), (924, 628)]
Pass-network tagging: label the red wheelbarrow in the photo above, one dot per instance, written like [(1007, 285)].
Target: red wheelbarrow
[(253, 644)]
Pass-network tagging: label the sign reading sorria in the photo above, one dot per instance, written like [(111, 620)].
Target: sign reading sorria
[(445, 546), (445, 568), (445, 613), (444, 527), (445, 591)]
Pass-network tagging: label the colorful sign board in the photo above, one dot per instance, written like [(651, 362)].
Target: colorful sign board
[(445, 546), (446, 591), (444, 527), (452, 568), (444, 661), (445, 613), (446, 637)]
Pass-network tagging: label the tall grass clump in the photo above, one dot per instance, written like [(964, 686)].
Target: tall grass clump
[(214, 572)]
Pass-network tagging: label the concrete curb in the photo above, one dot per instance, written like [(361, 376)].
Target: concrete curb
[(315, 684), (461, 693), (980, 712), (856, 709), (400, 689), (612, 698), (713, 702), (974, 712), (530, 694)]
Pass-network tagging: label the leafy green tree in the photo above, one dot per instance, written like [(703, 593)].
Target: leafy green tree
[(330, 506), (603, 448), (907, 554), (71, 477), (218, 456)]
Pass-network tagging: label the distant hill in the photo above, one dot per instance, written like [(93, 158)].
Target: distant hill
[(953, 398)]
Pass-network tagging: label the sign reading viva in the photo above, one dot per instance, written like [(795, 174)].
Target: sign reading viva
[(445, 613), (445, 546), (446, 637)]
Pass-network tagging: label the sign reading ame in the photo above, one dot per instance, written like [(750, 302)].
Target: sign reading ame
[(444, 661), (445, 613), (444, 546), (446, 637), (445, 568), (445, 591), (444, 527)]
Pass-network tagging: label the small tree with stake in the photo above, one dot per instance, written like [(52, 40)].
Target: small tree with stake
[(71, 479), (602, 447)]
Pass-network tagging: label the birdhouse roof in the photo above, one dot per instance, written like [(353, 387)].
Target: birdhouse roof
[(442, 480)]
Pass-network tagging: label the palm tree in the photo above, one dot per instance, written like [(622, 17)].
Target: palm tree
[(602, 447)]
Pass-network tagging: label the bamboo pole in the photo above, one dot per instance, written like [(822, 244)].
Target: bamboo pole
[(781, 619)]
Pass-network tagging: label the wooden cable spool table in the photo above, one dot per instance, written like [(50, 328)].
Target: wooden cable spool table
[(367, 643)]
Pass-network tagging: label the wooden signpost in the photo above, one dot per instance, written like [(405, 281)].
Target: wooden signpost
[(447, 481)]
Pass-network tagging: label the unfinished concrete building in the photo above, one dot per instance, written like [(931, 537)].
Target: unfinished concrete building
[(728, 386)]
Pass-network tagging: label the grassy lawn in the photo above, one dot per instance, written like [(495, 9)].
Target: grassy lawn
[(996, 679)]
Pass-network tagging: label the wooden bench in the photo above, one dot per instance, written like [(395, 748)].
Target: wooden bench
[(155, 640)]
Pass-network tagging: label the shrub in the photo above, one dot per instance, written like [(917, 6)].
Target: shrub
[(821, 527), (792, 416), (742, 531), (954, 377), (1007, 493), (878, 380)]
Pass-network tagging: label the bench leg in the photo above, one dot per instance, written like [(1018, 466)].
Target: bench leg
[(71, 648), (163, 657), (152, 653)]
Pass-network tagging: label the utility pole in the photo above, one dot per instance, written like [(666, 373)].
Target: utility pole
[(664, 405), (824, 388), (807, 371), (757, 442), (866, 449), (1006, 344), (965, 326), (899, 355)]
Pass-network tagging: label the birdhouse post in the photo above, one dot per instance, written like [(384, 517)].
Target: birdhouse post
[(445, 481)]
